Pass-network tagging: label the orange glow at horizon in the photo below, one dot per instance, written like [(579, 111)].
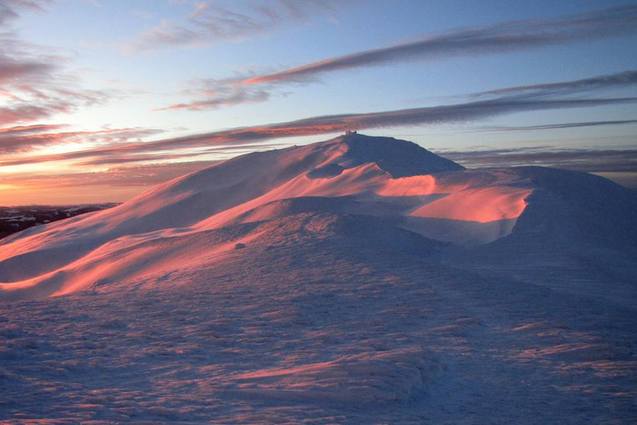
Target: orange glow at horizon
[(46, 193)]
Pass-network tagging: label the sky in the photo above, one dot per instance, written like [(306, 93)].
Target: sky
[(101, 99)]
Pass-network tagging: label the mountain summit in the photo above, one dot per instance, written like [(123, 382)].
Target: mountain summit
[(399, 158)]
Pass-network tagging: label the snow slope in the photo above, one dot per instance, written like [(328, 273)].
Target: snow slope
[(357, 280), (353, 174), (577, 234)]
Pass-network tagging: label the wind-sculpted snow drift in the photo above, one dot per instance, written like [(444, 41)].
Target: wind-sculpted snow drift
[(359, 279)]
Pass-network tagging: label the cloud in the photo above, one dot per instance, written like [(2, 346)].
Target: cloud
[(234, 97), (26, 113), (619, 165), (587, 160), (20, 139), (34, 81), (601, 82), (26, 138), (461, 112), (156, 158), (20, 64), (500, 38), (558, 126), (223, 150), (210, 22), (166, 34), (38, 88), (10, 9), (28, 129), (12, 70), (505, 37)]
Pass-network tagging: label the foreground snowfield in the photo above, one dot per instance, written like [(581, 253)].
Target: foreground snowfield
[(360, 280)]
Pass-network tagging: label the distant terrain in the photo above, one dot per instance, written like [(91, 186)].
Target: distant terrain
[(15, 219)]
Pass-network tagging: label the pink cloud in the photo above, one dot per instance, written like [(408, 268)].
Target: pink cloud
[(27, 138)]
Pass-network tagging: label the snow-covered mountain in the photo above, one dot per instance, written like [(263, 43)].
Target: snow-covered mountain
[(399, 182), (354, 280), (353, 174)]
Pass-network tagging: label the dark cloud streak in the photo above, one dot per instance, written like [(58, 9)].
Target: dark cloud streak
[(235, 98), (557, 126), (563, 88), (500, 38), (587, 160), (506, 37)]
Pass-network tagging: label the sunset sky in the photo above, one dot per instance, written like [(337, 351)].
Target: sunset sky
[(100, 99)]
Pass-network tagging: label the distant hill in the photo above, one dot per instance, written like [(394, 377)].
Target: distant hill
[(15, 219)]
